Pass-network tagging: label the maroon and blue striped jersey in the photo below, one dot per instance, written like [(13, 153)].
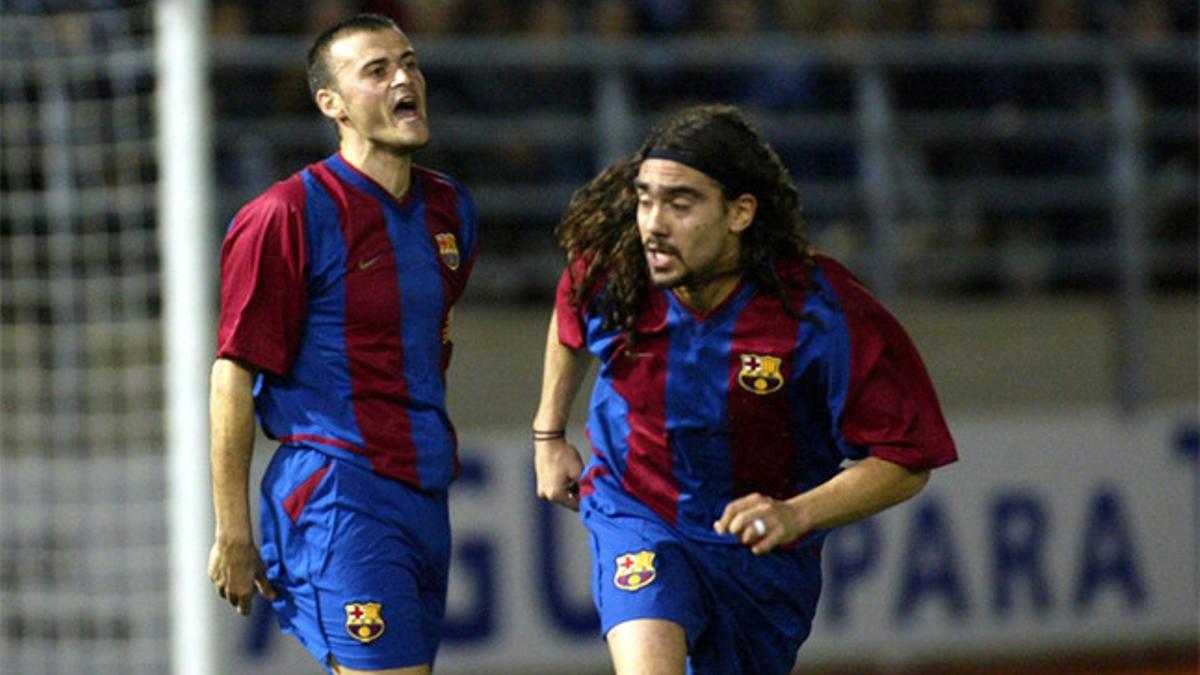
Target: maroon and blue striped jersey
[(701, 409), (340, 295)]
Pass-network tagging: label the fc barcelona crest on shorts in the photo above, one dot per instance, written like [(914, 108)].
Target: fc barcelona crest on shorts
[(448, 249), (634, 570), (364, 620), (760, 374)]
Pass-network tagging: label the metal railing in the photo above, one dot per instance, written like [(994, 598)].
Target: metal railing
[(901, 217)]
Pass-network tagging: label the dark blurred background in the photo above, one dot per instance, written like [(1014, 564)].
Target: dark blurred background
[(958, 147)]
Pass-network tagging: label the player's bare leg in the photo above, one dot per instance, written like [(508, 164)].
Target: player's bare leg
[(648, 647), (338, 668)]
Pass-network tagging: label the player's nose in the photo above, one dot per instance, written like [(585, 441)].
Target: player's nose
[(401, 76), (654, 221)]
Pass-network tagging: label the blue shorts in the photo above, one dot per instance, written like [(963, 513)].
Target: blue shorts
[(741, 613), (360, 562)]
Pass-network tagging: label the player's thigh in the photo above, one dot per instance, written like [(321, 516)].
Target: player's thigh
[(339, 669), (648, 647), (641, 571), (363, 567), (382, 587)]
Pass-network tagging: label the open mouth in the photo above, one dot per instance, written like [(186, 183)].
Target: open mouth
[(658, 259), (406, 109), (659, 254)]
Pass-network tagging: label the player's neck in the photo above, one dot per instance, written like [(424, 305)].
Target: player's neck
[(706, 296), (706, 287), (390, 169)]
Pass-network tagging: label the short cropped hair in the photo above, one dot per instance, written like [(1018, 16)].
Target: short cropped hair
[(320, 76)]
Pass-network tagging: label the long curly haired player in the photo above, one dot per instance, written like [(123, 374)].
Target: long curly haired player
[(739, 372)]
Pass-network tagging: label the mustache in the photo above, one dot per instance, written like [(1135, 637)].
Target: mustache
[(659, 246)]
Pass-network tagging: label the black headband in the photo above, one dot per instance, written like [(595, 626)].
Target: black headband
[(707, 163)]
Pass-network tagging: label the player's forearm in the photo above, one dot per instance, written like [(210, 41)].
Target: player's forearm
[(231, 418), (861, 490), (562, 372)]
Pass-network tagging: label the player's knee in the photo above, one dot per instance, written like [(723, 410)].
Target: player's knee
[(648, 647)]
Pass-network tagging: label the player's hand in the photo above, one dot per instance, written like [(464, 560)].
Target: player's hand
[(760, 522), (558, 468), (236, 570)]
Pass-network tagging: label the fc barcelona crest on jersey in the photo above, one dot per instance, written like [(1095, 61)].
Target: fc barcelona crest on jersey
[(448, 249), (760, 374), (634, 570), (364, 620)]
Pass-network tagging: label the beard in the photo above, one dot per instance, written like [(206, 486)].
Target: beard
[(692, 277)]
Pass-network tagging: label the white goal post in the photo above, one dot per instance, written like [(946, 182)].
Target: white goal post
[(185, 218), (106, 280)]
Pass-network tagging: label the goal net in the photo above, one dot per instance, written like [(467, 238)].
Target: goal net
[(83, 535)]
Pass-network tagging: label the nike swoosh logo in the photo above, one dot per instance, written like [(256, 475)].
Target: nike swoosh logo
[(364, 264)]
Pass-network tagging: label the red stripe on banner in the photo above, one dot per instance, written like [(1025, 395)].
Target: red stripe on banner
[(374, 342), (295, 502), (640, 377), (761, 443)]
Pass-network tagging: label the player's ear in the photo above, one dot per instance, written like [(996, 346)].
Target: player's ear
[(330, 103), (742, 212)]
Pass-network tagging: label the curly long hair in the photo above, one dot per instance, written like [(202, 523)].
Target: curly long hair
[(600, 224)]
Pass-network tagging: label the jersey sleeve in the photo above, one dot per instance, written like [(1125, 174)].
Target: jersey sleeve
[(263, 284), (890, 406), (572, 326)]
